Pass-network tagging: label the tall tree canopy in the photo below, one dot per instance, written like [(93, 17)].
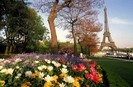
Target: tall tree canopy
[(54, 7), (21, 24)]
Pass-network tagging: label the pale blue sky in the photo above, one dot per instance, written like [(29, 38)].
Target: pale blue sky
[(120, 20)]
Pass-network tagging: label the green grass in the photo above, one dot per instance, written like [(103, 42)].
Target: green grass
[(120, 73)]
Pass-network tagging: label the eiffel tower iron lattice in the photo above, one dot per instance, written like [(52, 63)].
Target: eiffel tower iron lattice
[(107, 34)]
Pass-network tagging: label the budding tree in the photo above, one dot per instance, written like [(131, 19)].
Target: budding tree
[(80, 10), (87, 36), (53, 7)]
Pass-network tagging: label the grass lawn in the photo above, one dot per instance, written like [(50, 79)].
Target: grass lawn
[(120, 73)]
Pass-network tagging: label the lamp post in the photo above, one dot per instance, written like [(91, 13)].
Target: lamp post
[(128, 54)]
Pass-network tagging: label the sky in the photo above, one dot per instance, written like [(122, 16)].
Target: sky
[(120, 21)]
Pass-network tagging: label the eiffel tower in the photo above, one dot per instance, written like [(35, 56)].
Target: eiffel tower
[(107, 34)]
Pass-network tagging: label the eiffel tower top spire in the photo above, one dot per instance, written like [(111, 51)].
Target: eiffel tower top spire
[(106, 27)]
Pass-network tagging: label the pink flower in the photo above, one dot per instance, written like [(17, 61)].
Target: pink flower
[(74, 67), (87, 86), (94, 64), (62, 61), (87, 76), (93, 70), (81, 67), (94, 77)]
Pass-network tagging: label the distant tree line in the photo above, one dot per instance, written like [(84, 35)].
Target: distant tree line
[(129, 50)]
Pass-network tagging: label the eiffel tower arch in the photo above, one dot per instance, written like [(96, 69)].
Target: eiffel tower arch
[(107, 34)]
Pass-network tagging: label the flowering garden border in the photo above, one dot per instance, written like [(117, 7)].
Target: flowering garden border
[(38, 70)]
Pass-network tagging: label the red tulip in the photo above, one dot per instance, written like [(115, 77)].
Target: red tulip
[(74, 67)]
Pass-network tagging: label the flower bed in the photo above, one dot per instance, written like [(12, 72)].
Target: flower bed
[(32, 70)]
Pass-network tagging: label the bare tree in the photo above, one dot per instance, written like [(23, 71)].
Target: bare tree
[(80, 10), (53, 7)]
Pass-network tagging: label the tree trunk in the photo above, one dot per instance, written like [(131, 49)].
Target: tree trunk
[(10, 49), (51, 19), (74, 40), (81, 48), (6, 50), (89, 51), (13, 46)]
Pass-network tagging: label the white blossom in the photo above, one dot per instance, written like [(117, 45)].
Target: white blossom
[(9, 71), (1, 60), (18, 75), (17, 67), (53, 62), (57, 64), (41, 75), (47, 61), (40, 68), (28, 73), (36, 62), (69, 79), (18, 60), (50, 68), (62, 85), (1, 67), (3, 70), (64, 70), (48, 78), (44, 67), (64, 66)]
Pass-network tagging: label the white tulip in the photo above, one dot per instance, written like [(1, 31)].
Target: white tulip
[(50, 68), (36, 62), (18, 60), (41, 75), (28, 73), (62, 85), (64, 66), (1, 67), (9, 71), (64, 70), (48, 78), (69, 79)]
